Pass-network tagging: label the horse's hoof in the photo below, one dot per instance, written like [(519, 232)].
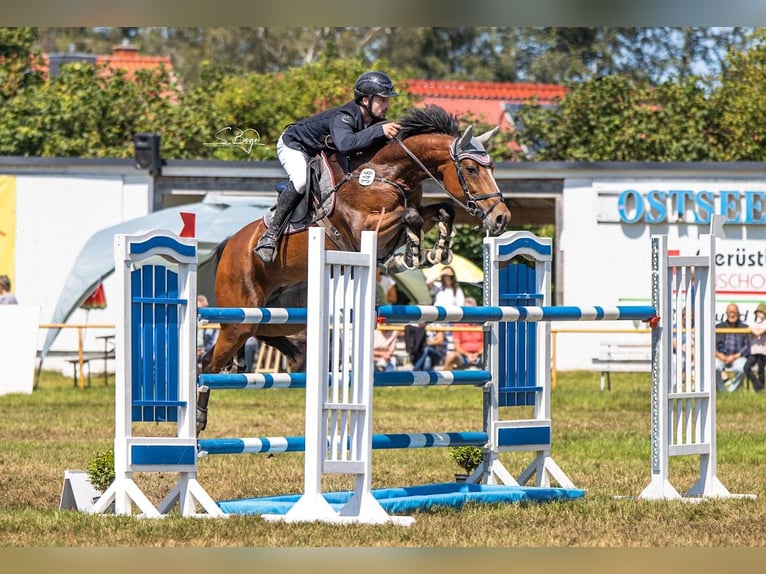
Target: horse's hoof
[(201, 420)]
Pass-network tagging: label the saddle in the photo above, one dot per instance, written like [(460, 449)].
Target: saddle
[(324, 176)]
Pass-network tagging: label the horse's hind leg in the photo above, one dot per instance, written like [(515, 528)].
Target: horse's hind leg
[(230, 339)]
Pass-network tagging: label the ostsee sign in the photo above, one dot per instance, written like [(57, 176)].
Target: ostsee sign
[(670, 205)]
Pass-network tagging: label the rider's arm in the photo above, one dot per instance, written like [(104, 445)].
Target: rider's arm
[(346, 140)]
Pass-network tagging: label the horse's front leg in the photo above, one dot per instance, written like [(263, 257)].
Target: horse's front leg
[(443, 215), (412, 258)]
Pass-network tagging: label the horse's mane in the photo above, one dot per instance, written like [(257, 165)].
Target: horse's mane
[(429, 119)]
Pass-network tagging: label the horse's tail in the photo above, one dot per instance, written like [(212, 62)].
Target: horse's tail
[(219, 250)]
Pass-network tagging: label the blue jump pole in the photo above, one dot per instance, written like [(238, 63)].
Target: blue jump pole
[(257, 445), (382, 379), (407, 313)]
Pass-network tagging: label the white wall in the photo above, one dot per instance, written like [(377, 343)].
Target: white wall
[(55, 217), (608, 262)]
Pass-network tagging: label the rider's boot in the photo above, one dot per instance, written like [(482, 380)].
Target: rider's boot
[(268, 244)]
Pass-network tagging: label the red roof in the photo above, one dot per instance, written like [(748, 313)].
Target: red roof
[(124, 57), (128, 59), (484, 100)]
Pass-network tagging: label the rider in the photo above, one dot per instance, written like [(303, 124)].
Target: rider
[(354, 126)]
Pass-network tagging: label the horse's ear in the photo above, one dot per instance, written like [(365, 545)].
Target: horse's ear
[(465, 139), (486, 136)]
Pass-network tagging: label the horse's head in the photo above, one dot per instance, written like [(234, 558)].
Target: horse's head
[(472, 183)]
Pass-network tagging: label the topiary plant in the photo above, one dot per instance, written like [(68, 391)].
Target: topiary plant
[(467, 457), (101, 470)]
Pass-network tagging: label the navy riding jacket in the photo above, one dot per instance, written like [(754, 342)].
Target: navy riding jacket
[(344, 124)]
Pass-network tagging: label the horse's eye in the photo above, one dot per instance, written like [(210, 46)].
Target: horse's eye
[(472, 170)]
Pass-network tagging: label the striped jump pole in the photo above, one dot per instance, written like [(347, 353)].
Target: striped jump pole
[(451, 314), (381, 379), (256, 445)]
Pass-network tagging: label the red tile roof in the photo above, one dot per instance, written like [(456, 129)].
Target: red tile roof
[(127, 58), (484, 100)]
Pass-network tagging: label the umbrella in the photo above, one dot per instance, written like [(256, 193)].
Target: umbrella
[(465, 270), (96, 300)]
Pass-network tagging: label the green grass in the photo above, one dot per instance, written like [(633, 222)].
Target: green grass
[(600, 439)]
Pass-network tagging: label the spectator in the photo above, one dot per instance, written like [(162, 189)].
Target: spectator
[(447, 291), (731, 351), (468, 344), (251, 351), (757, 349), (385, 289), (384, 346), (426, 347), (207, 336), (680, 334), (6, 296)]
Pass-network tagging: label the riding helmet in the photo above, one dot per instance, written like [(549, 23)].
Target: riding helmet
[(374, 84)]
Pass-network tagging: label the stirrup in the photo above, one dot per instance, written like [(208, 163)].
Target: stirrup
[(266, 250)]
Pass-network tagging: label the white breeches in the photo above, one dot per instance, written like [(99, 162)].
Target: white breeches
[(295, 163)]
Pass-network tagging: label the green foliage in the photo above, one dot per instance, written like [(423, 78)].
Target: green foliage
[(21, 62), (625, 102), (617, 119), (466, 457), (101, 470)]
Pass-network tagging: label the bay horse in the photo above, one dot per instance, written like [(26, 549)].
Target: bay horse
[(382, 192)]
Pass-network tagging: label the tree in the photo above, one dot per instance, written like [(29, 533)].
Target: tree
[(21, 63), (738, 130)]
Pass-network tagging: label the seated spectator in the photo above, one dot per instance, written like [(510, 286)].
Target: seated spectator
[(426, 347), (250, 352), (468, 345), (383, 349), (757, 350), (385, 289), (731, 351)]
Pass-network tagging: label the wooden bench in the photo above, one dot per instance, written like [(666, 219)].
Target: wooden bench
[(622, 358)]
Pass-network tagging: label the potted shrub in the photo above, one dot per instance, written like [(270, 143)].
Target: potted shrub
[(101, 470), (468, 458)]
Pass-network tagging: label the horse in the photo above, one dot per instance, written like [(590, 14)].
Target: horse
[(380, 191)]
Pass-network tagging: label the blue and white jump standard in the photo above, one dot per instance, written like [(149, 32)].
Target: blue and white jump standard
[(155, 374)]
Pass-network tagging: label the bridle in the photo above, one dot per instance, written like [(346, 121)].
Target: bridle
[(457, 156)]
